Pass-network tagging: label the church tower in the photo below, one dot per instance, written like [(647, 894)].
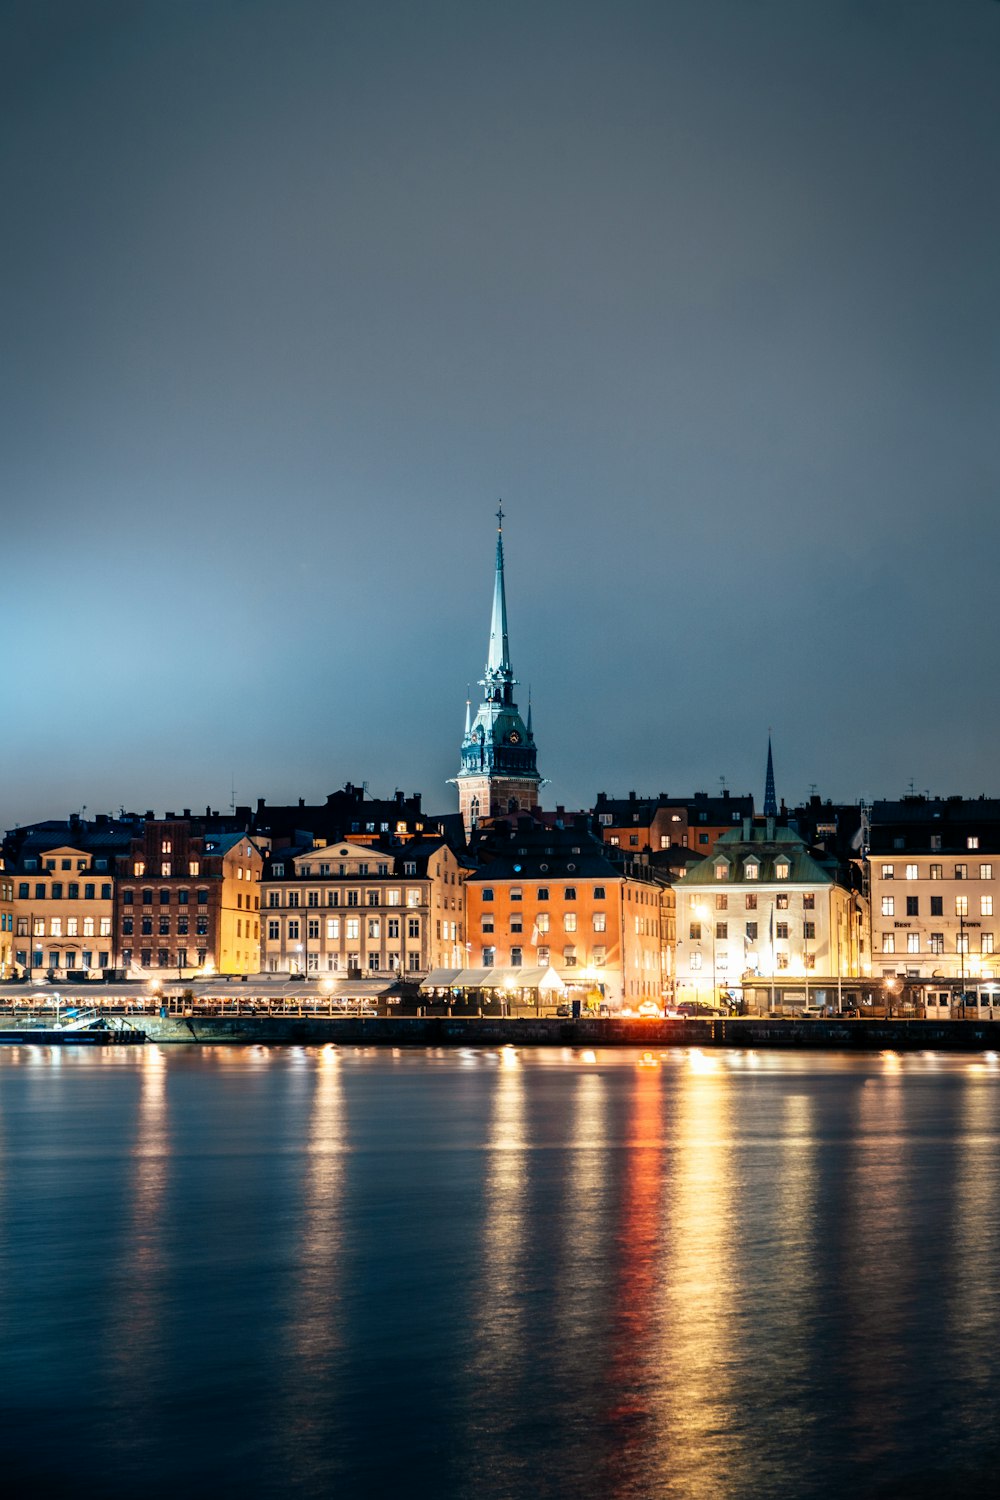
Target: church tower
[(498, 777)]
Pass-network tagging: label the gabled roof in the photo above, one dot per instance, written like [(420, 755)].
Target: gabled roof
[(768, 847)]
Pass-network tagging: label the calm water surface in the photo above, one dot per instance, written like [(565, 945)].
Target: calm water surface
[(492, 1273)]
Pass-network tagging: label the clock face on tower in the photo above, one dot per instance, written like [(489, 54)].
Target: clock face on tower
[(515, 738)]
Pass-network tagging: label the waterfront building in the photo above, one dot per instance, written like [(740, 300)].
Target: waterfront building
[(346, 814), (498, 776), (373, 910), (555, 897), (63, 909), (766, 923), (6, 922), (189, 899), (934, 879)]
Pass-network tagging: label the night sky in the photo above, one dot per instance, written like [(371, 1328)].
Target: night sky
[(708, 291)]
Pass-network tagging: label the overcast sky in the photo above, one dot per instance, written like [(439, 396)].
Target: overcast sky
[(707, 290)]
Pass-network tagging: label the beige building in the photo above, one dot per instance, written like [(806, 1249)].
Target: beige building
[(63, 912), (360, 909), (763, 923)]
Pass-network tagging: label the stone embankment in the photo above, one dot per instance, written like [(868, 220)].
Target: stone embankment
[(469, 1031)]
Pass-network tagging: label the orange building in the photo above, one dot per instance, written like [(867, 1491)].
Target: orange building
[(553, 896)]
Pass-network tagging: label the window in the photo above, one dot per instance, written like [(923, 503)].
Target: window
[(599, 894), (393, 898), (392, 927), (888, 906), (487, 923), (515, 958), (165, 898), (600, 921), (986, 906), (809, 930), (165, 868), (88, 926), (809, 901), (139, 868), (781, 902), (722, 929), (569, 894), (352, 898), (542, 921), (413, 927), (722, 871), (487, 893), (721, 901), (409, 867), (751, 871), (55, 927), (373, 898), (986, 872), (751, 902), (751, 932), (961, 906), (353, 927), (888, 942), (517, 922), (203, 897), (972, 842), (961, 872), (489, 957), (888, 872), (374, 928), (569, 921), (912, 906), (333, 927), (782, 869), (913, 942), (912, 872), (936, 872), (273, 929), (694, 932), (781, 930), (962, 942), (986, 942), (182, 898), (542, 894), (696, 960), (782, 960), (937, 906), (147, 926), (293, 927), (937, 942)]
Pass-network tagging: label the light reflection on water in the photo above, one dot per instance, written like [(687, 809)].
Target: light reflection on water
[(498, 1272)]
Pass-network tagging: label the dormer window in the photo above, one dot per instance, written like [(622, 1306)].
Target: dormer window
[(722, 870), (781, 869), (751, 870), (278, 870)]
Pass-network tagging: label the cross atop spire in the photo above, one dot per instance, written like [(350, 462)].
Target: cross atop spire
[(498, 669)]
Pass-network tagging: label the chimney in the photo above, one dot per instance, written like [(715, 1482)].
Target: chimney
[(746, 830)]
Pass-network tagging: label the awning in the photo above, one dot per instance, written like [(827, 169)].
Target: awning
[(541, 978)]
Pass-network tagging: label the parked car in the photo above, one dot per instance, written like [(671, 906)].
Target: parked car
[(697, 1008), (650, 1008)]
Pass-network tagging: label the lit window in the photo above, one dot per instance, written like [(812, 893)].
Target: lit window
[(986, 942), (962, 942), (752, 871), (913, 942), (961, 906), (888, 872), (936, 872), (333, 927), (412, 897), (781, 870), (912, 873), (139, 868), (972, 842), (888, 906), (696, 960), (888, 942), (986, 906), (721, 871), (194, 868), (961, 872), (353, 927), (937, 942), (600, 921)]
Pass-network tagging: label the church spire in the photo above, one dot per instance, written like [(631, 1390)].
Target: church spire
[(770, 799), (498, 661)]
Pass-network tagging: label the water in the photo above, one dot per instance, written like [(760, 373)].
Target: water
[(310, 1272)]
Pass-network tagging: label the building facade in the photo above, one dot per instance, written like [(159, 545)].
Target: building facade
[(934, 881), (189, 900), (498, 776), (553, 896), (763, 923), (363, 910)]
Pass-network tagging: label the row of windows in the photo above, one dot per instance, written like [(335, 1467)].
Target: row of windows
[(515, 893), (751, 869), (971, 842), (781, 901), (384, 963), (167, 870), (164, 928), (937, 906), (357, 870), (64, 927), (598, 957), (781, 931), (183, 897), (167, 958), (936, 942), (352, 897), (58, 890), (67, 960), (936, 872), (348, 927)]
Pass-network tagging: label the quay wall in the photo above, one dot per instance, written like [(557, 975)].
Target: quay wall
[(605, 1031)]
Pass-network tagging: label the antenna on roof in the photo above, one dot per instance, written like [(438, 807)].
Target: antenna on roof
[(232, 791), (722, 782)]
